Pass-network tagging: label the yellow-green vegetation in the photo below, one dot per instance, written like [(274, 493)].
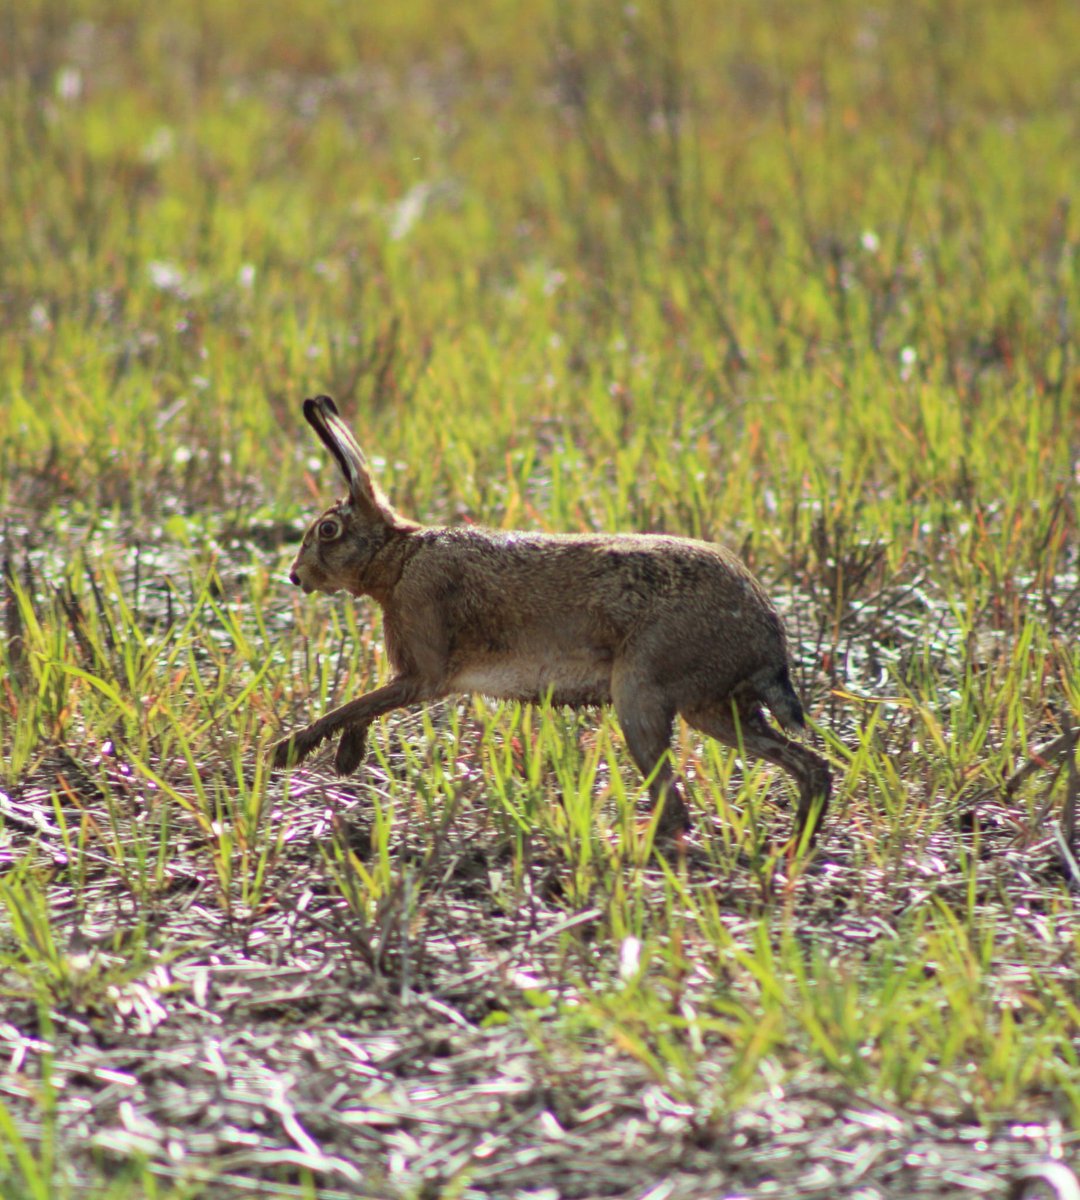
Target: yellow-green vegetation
[(800, 278)]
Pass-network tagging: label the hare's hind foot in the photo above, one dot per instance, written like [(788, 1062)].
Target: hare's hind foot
[(750, 733), (815, 792), (675, 817)]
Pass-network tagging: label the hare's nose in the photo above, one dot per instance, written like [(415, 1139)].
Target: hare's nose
[(294, 578)]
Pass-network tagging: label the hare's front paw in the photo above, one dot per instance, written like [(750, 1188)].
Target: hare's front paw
[(350, 751), (281, 754), (292, 750)]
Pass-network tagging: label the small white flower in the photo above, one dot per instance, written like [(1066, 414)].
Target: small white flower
[(159, 145), (69, 83), (553, 280), (408, 210), (165, 276), (870, 241), (629, 957)]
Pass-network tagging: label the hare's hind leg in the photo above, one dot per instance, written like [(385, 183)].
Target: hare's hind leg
[(754, 735), (354, 717), (646, 722)]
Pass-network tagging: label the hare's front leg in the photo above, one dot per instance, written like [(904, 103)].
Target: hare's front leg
[(354, 717)]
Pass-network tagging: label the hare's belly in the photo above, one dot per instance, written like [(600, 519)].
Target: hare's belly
[(574, 682)]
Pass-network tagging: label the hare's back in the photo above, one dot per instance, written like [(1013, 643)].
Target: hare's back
[(563, 588), (527, 615)]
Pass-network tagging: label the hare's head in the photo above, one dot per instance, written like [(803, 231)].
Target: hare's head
[(339, 545)]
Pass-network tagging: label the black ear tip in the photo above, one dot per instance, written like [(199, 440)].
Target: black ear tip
[(324, 403)]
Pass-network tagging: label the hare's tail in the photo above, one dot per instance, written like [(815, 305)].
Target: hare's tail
[(774, 687)]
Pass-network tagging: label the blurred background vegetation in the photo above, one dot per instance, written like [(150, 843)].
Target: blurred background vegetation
[(813, 251)]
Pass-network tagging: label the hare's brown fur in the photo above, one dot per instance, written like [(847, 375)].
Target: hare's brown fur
[(655, 625)]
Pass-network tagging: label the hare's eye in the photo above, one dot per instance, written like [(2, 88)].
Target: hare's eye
[(329, 529)]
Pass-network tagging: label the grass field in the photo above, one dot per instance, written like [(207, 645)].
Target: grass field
[(799, 278)]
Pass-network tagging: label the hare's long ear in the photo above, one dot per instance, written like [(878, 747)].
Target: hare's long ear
[(322, 416)]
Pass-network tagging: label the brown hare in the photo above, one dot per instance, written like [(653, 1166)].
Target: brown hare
[(655, 625)]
